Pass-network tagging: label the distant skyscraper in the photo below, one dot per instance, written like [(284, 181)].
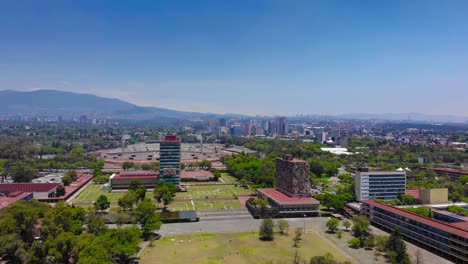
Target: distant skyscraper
[(238, 130), (83, 120), (282, 126), (222, 122), (169, 161)]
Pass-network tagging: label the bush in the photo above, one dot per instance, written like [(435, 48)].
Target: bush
[(354, 242), (266, 230)]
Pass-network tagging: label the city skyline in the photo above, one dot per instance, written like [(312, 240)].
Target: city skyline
[(263, 57)]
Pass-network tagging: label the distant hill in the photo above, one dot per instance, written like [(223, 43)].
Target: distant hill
[(52, 102), (55, 102)]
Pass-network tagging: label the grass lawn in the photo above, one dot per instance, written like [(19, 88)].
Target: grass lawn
[(225, 177), (235, 248), (212, 191), (93, 191), (205, 205)]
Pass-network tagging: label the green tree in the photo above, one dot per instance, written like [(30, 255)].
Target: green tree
[(164, 192), (346, 224), (60, 191), (397, 248), (66, 180), (127, 200), (266, 232), (297, 237), (354, 242), (102, 203), (146, 215), (283, 226), (138, 189), (370, 242), (22, 172), (333, 224), (127, 165), (360, 228)]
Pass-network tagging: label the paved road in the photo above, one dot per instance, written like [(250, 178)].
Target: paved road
[(212, 222)]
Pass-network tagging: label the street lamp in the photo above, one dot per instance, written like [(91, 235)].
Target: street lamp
[(304, 222)]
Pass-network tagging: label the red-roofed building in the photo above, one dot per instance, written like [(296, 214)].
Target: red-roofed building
[(449, 240), (453, 173), (196, 175), (149, 179), (12, 198), (413, 192), (292, 194), (39, 190), (45, 192)]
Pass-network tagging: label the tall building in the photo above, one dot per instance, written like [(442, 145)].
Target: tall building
[(238, 131), (293, 176), (282, 126), (83, 120), (291, 197), (385, 185), (169, 161)]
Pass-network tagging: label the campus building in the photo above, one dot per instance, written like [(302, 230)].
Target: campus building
[(449, 240), (385, 185), (149, 179), (169, 161), (292, 196), (454, 174)]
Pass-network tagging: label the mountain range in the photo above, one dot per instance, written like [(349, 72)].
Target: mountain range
[(53, 102)]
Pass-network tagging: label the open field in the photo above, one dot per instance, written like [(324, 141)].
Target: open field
[(235, 248), (93, 191), (208, 197), (205, 205), (220, 197), (212, 191), (225, 177)]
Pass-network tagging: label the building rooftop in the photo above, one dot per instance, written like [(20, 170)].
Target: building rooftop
[(171, 138), (6, 201), (128, 174), (450, 228), (195, 174), (451, 170), (282, 198), (27, 187), (413, 192)]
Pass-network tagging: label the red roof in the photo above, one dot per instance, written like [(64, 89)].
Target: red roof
[(282, 198), (136, 175), (171, 138), (196, 174), (27, 187), (451, 171), (413, 192), (6, 201), (81, 180), (450, 228)]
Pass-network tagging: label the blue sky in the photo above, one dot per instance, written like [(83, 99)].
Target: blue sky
[(252, 57)]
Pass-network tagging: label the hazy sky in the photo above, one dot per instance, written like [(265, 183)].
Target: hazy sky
[(253, 57)]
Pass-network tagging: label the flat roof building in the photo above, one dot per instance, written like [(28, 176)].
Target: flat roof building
[(149, 179), (169, 162), (386, 185)]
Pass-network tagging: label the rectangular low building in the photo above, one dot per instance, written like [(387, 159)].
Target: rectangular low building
[(39, 190), (449, 240), (196, 175), (149, 179), (434, 196), (288, 204), (13, 198)]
